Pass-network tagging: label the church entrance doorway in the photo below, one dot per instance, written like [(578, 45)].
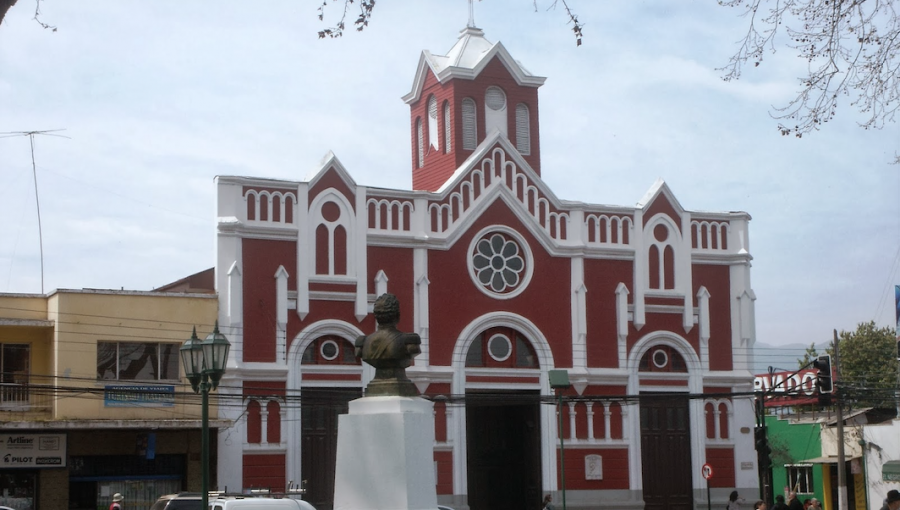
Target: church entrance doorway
[(503, 450), (320, 408), (666, 452)]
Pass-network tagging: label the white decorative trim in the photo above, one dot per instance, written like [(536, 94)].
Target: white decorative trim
[(381, 283), (356, 243), (235, 295), (304, 256), (622, 322), (281, 311)]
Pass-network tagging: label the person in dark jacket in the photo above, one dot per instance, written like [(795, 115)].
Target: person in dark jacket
[(779, 503), (892, 502), (793, 502)]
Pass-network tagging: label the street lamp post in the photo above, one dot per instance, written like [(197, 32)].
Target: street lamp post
[(204, 365)]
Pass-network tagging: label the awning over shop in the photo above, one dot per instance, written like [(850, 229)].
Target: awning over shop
[(890, 471), (825, 460)]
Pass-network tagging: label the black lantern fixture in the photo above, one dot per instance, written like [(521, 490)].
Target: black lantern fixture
[(204, 364)]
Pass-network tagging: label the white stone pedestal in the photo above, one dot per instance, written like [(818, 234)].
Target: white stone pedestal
[(385, 458)]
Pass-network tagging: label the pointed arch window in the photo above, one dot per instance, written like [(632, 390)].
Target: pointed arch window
[(495, 110), (332, 254), (470, 127), (420, 144), (447, 129), (433, 132), (523, 129), (661, 258)]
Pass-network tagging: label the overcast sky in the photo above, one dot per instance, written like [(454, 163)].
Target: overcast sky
[(158, 97)]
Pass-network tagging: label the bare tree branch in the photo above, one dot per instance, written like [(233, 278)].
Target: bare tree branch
[(852, 49)]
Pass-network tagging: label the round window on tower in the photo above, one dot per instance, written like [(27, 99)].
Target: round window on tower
[(495, 98)]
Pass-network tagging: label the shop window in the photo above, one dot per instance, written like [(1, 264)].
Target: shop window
[(18, 489), (14, 363), (800, 478), (137, 361)]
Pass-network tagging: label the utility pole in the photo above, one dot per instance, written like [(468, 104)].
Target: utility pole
[(841, 468)]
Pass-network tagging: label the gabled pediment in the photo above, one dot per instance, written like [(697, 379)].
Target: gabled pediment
[(468, 57), (331, 163), (660, 191)]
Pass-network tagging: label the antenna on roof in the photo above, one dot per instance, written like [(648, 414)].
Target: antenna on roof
[(30, 135), (471, 23)]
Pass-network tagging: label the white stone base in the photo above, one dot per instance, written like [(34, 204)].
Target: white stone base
[(385, 458)]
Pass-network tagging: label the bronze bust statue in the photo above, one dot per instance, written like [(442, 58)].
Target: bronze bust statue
[(389, 350)]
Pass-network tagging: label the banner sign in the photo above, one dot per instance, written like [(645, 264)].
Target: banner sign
[(121, 395), (787, 388), (32, 451)]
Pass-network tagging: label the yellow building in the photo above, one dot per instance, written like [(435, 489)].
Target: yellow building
[(93, 399)]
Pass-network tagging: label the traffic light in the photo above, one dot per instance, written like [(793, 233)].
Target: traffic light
[(763, 452), (823, 379)]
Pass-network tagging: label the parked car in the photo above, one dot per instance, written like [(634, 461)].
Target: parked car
[(258, 503), (180, 501)]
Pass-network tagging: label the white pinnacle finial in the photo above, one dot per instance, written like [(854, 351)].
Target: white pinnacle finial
[(471, 23)]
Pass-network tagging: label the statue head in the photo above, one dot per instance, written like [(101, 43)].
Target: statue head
[(387, 309)]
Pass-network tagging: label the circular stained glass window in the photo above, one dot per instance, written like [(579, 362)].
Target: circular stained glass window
[(500, 263)]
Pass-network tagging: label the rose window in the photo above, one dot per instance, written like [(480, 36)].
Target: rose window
[(498, 263)]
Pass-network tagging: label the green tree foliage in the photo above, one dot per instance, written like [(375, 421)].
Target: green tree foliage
[(808, 356), (867, 368)]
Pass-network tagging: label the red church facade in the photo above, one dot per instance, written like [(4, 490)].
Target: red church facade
[(649, 308)]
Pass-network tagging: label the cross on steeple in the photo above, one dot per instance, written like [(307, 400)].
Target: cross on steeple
[(471, 23)]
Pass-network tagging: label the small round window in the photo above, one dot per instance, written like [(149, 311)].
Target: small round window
[(495, 98), (329, 349), (660, 358), (499, 347)]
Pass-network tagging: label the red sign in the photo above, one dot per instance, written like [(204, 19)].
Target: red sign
[(787, 388), (706, 471)]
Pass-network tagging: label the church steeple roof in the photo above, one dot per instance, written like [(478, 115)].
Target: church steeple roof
[(465, 60)]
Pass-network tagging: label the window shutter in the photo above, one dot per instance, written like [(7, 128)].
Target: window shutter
[(523, 129), (420, 143), (432, 122), (470, 129), (447, 147)]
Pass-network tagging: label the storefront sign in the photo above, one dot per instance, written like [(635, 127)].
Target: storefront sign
[(32, 450), (787, 388), (121, 395)]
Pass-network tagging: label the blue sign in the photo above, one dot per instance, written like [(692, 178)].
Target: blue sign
[(121, 395)]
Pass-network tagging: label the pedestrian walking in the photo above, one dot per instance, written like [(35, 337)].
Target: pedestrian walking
[(779, 503), (548, 502), (734, 501), (116, 502)]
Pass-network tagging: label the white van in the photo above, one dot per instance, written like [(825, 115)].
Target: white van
[(258, 503)]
